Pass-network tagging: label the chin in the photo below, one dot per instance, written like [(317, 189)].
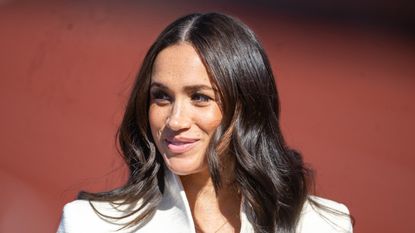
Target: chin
[(184, 166)]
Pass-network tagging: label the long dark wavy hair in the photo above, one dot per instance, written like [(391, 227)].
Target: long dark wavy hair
[(271, 177)]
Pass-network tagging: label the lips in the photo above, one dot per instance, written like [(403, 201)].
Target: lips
[(180, 145)]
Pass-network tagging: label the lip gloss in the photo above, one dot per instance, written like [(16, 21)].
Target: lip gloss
[(178, 147)]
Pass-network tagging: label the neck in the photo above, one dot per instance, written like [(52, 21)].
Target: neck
[(211, 209)]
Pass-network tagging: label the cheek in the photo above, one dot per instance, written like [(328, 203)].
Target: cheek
[(210, 120)]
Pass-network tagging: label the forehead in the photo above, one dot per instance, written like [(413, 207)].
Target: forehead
[(180, 64)]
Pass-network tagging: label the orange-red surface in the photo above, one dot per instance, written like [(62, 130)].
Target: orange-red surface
[(66, 67)]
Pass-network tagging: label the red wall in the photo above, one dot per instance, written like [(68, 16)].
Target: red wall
[(66, 67)]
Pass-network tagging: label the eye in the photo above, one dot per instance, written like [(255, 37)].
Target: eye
[(200, 98), (160, 97)]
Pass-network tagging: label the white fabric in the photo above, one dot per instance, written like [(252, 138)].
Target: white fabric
[(173, 216)]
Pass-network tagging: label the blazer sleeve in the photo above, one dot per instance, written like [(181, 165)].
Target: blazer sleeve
[(79, 217), (65, 223), (334, 217)]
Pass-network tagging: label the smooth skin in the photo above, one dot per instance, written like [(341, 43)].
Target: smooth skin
[(184, 113)]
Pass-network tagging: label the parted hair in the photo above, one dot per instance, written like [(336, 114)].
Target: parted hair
[(271, 177)]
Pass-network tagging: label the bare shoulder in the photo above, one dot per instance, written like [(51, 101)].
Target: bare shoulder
[(324, 216)]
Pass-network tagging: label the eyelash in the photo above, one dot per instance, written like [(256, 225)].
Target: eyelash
[(160, 97), (198, 97)]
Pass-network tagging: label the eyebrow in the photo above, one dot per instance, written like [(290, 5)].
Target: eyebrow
[(189, 88)]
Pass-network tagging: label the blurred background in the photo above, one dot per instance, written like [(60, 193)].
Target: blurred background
[(345, 71)]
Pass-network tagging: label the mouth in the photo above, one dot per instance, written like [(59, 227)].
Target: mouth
[(180, 145)]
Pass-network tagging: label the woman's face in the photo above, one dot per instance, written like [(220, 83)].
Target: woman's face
[(184, 112)]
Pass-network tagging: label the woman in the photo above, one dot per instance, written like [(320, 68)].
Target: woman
[(202, 141)]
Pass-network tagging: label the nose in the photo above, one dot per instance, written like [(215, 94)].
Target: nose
[(179, 118)]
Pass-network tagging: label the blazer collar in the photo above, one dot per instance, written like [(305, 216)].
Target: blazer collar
[(175, 197)]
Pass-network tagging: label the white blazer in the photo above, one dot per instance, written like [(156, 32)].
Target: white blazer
[(173, 216)]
